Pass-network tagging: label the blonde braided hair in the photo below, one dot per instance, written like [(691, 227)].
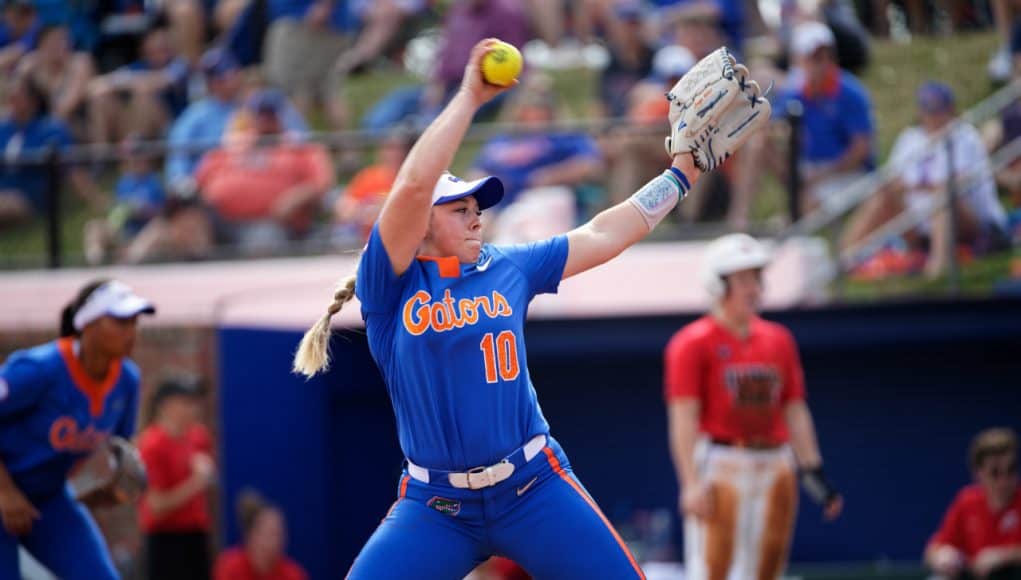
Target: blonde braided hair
[(313, 354)]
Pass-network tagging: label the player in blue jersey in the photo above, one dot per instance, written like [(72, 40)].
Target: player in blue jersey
[(444, 314), (58, 402)]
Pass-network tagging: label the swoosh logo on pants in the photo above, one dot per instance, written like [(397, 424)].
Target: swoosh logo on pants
[(524, 488)]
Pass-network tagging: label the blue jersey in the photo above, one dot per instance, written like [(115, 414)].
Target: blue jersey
[(52, 413), (449, 341)]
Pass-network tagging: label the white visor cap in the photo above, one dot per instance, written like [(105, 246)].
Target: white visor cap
[(115, 299)]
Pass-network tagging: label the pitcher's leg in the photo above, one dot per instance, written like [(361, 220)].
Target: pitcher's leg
[(417, 541), (558, 532)]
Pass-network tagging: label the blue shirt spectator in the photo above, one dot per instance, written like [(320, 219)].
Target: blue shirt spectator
[(25, 133), (142, 195), (175, 93), (340, 18), (516, 159), (832, 115), (729, 12)]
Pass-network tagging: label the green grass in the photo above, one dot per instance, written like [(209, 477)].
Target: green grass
[(976, 278), (897, 70)]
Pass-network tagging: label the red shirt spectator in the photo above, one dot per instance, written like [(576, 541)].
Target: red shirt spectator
[(250, 184), (168, 463), (981, 532), (177, 453), (262, 556), (234, 564), (971, 524), (743, 384), (247, 180)]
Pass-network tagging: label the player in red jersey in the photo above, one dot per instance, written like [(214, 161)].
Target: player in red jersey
[(739, 426), (981, 532)]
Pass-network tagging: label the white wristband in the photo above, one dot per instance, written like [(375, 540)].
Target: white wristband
[(657, 198)]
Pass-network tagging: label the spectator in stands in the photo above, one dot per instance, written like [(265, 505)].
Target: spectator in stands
[(630, 58), (358, 206), (64, 75), (188, 20), (981, 535), (701, 25), (19, 30), (27, 132), (837, 129), (304, 52), (202, 124), (119, 29), (465, 23), (263, 187), (920, 159), (177, 451), (138, 198), (380, 21), (634, 153), (141, 98), (539, 170), (262, 556)]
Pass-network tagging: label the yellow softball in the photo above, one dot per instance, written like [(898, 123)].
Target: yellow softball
[(502, 64)]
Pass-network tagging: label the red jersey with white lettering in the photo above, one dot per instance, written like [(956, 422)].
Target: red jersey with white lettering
[(970, 525), (742, 384)]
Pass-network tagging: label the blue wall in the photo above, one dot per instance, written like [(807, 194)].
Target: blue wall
[(897, 391)]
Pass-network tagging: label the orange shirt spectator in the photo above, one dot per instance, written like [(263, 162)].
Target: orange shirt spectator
[(245, 181), (364, 196), (245, 185)]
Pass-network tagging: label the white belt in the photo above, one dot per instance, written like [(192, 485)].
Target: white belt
[(486, 476)]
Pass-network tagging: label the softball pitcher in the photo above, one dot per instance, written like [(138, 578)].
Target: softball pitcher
[(58, 402), (445, 315), (739, 426)]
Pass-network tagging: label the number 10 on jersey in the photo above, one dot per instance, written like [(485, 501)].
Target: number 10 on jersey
[(501, 356)]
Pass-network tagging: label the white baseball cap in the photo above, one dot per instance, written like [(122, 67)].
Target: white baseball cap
[(115, 299), (809, 37), (488, 191)]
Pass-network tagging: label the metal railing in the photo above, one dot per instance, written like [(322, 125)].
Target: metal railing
[(861, 190)]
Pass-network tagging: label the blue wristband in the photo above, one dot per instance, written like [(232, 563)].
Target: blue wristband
[(680, 176)]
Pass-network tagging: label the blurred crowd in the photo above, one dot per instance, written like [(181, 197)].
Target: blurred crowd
[(235, 88)]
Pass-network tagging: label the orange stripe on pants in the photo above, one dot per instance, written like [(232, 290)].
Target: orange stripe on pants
[(555, 464)]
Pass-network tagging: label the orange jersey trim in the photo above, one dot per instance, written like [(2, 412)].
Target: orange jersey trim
[(555, 464), (95, 392), (449, 266)]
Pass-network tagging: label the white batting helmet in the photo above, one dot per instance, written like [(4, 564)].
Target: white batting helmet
[(729, 254)]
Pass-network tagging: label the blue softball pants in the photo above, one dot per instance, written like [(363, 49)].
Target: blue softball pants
[(540, 517), (65, 539)]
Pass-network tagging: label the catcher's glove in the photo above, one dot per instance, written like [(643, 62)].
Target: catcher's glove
[(113, 474), (714, 108)]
